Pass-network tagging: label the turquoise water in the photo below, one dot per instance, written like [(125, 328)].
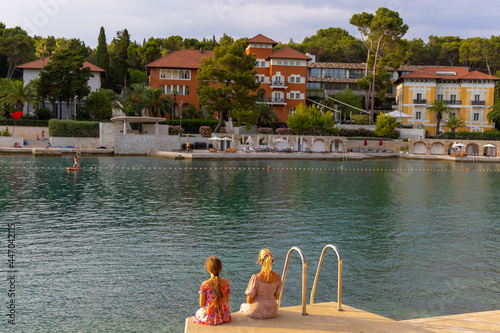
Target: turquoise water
[(120, 245)]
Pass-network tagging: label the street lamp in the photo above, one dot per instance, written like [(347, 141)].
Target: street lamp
[(173, 108)]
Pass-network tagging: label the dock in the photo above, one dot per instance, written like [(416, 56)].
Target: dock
[(324, 317)]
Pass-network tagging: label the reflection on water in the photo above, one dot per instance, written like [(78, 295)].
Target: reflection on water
[(120, 245)]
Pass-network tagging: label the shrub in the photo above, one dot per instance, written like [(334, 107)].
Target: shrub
[(265, 130), (284, 131), (175, 130), (5, 132), (44, 113), (360, 132), (71, 128), (360, 119), (205, 131)]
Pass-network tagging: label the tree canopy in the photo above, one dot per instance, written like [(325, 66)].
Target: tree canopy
[(227, 82)]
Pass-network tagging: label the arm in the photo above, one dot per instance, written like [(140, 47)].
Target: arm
[(249, 300), (202, 300)]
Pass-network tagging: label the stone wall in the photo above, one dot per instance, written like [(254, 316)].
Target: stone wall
[(83, 143), (9, 141), (393, 145), (444, 147), (28, 132)]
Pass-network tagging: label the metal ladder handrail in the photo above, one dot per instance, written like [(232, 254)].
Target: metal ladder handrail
[(304, 277), (320, 264)]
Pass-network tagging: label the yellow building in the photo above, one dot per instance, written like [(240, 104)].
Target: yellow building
[(470, 96)]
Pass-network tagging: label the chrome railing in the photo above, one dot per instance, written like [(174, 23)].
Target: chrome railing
[(304, 277), (320, 264)]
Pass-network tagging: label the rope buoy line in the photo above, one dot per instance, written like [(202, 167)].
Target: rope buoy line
[(269, 168)]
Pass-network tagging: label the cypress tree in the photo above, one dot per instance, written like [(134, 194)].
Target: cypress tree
[(102, 56)]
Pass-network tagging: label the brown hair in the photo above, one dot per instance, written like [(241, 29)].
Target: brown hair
[(214, 266)]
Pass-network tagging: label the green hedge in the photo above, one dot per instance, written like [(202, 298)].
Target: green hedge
[(192, 125), (487, 135), (71, 128), (24, 122)]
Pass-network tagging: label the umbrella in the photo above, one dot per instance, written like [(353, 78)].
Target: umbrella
[(215, 138), (489, 145), (365, 143), (398, 114), (279, 140)]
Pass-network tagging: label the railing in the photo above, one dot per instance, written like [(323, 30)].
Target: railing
[(278, 84), (276, 100), (419, 101), (304, 277), (453, 102), (477, 103), (318, 271)]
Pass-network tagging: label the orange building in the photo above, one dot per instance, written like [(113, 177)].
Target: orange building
[(176, 73), (282, 75)]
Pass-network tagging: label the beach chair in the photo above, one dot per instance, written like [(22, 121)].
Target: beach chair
[(212, 150), (228, 150), (234, 150)]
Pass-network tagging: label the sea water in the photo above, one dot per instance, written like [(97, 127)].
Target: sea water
[(120, 245)]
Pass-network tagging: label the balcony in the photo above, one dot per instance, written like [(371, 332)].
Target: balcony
[(477, 103), (278, 85), (276, 100), (419, 101), (453, 102)]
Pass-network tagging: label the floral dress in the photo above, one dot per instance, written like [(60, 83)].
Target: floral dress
[(264, 305), (208, 315)]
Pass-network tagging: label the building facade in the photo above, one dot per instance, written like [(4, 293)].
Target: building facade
[(470, 96), (31, 70), (282, 76), (176, 75)]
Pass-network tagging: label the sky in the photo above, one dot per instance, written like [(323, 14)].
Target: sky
[(279, 20)]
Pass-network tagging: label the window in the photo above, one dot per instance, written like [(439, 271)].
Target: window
[(477, 98), (177, 74), (297, 63), (328, 73), (475, 116), (285, 63), (181, 90), (419, 97), (418, 115), (262, 64), (440, 97), (279, 62), (316, 72), (453, 98), (339, 73)]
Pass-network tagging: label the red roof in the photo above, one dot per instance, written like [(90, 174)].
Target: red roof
[(287, 52), (261, 39), (190, 59), (448, 73), (37, 64)]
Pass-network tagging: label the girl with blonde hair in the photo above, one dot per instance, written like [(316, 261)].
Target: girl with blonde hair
[(214, 296), (263, 290)]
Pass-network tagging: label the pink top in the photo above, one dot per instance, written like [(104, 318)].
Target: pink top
[(264, 304)]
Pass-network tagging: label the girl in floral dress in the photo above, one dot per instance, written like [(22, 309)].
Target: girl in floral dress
[(263, 290), (214, 296)]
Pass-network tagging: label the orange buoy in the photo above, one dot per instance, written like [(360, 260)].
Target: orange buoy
[(467, 169), (268, 167)]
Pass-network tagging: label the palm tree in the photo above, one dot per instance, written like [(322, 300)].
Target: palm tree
[(135, 98), (494, 114), (265, 114), (17, 94), (454, 122), (439, 108), (155, 104)]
